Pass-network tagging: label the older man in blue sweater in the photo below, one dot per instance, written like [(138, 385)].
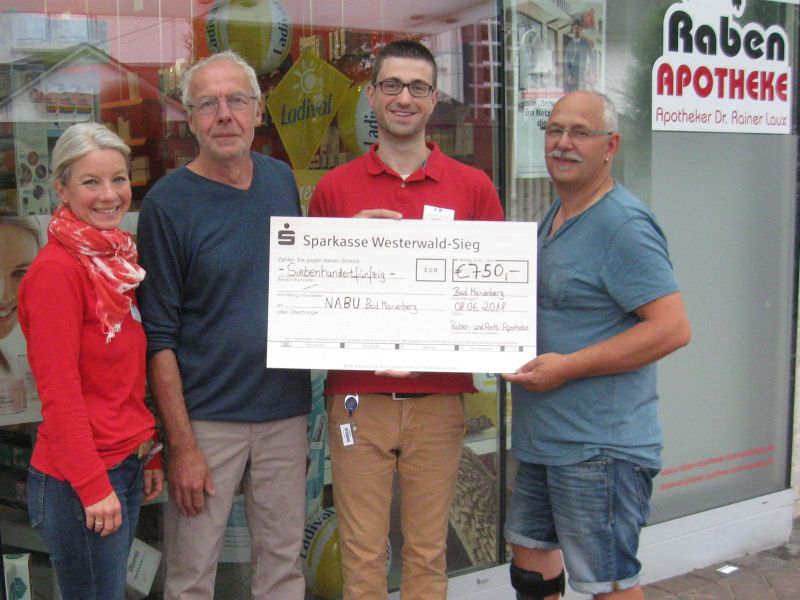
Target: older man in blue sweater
[(203, 239)]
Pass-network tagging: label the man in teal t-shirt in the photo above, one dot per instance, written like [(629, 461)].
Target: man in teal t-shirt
[(585, 426)]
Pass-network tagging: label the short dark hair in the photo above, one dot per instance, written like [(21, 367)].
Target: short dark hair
[(403, 49)]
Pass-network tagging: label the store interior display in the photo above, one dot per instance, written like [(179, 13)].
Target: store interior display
[(314, 79), (473, 513)]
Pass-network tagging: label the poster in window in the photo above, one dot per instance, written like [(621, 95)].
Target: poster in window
[(559, 49)]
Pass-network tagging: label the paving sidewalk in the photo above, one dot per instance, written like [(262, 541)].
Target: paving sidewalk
[(769, 575)]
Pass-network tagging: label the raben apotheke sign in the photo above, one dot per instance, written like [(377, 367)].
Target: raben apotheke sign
[(719, 74)]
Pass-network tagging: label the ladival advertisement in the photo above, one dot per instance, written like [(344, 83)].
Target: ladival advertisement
[(721, 73)]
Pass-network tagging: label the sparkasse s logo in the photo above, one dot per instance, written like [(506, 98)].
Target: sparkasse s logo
[(286, 236)]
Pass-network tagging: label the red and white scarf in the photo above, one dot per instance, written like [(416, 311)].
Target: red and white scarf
[(109, 257)]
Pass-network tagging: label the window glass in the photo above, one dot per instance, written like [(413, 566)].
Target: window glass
[(120, 63), (726, 204)]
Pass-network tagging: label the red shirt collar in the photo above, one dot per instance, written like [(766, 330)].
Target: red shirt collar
[(432, 168)]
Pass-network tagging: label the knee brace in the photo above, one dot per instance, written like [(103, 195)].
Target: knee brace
[(531, 585)]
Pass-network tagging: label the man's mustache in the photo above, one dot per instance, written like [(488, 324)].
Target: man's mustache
[(564, 155)]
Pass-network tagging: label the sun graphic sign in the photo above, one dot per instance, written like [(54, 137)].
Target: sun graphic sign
[(304, 104)]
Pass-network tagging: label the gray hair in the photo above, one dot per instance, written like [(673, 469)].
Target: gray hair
[(226, 56), (610, 118), (80, 139)]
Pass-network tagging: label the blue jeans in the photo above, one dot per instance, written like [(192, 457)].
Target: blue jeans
[(88, 567), (593, 511)]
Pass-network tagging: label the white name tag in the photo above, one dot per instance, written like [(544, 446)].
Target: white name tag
[(437, 213), (347, 434)]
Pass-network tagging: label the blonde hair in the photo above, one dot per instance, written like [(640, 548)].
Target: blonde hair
[(80, 139), (27, 224)]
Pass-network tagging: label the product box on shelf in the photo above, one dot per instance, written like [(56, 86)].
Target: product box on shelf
[(143, 561), (18, 580)]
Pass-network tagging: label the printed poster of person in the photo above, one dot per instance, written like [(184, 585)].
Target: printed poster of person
[(21, 238), (559, 48), (580, 61)]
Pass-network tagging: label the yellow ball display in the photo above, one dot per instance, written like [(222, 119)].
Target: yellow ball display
[(258, 30), (357, 124), (321, 558), (322, 562)]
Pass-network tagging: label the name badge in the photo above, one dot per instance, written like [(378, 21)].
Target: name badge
[(437, 213), (137, 316), (347, 434)]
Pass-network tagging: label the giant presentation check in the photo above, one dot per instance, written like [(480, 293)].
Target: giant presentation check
[(410, 295)]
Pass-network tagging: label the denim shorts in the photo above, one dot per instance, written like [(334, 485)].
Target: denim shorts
[(593, 511)]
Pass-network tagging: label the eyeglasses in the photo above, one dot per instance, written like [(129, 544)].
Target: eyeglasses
[(393, 87), (209, 105), (579, 134)]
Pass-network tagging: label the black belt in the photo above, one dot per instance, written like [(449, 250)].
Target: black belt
[(403, 396)]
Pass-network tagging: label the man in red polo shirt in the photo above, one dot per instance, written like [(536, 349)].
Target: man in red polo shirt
[(412, 423)]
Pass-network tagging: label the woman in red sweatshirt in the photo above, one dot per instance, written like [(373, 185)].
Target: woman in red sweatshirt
[(93, 460)]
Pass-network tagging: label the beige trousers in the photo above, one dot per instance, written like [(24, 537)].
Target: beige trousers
[(270, 459), (421, 439)]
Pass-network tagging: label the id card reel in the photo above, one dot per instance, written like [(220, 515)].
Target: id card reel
[(348, 430)]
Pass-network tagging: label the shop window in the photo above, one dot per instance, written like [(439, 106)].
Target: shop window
[(121, 64), (724, 414)]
